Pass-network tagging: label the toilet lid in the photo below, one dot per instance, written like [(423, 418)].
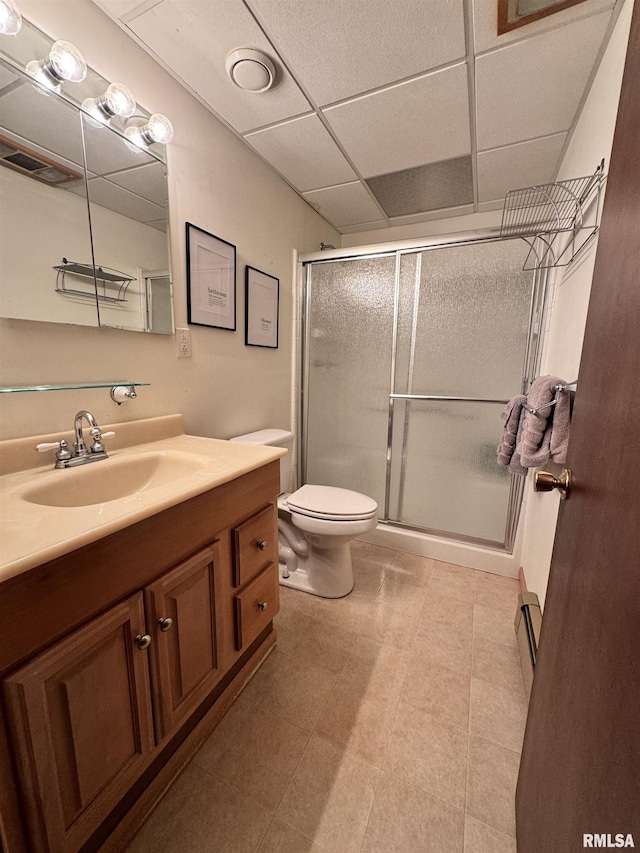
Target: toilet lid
[(332, 503)]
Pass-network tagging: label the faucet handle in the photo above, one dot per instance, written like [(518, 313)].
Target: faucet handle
[(98, 435), (61, 446)]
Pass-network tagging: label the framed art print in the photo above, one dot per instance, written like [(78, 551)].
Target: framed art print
[(211, 280), (262, 293)]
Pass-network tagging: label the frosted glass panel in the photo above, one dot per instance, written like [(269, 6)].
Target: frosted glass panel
[(464, 320), (446, 477), (350, 329)]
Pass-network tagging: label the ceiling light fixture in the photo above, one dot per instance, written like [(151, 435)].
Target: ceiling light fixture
[(157, 129), (10, 18), (117, 100), (250, 70), (64, 62)]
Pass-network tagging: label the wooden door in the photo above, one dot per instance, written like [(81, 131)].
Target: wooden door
[(184, 650), (81, 723), (580, 771)]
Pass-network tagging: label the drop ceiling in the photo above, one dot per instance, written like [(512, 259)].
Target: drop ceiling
[(385, 113)]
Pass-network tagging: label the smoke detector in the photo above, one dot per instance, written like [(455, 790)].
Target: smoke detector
[(251, 70)]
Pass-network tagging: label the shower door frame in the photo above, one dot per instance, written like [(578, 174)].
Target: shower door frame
[(540, 287)]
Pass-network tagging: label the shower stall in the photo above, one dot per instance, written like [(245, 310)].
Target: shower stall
[(408, 358)]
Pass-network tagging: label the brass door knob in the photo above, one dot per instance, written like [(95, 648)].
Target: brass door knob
[(546, 482)]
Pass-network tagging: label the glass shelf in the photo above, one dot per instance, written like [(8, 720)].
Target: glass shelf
[(71, 386)]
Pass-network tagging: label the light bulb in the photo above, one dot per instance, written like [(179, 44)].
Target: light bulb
[(157, 129), (10, 18), (64, 62), (118, 100)]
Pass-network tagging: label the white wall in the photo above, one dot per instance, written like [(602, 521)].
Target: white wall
[(219, 184), (591, 141), (450, 225)]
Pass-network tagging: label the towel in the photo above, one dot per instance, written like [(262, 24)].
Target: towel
[(511, 417), (545, 433)]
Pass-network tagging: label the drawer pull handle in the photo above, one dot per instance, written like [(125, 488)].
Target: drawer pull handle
[(262, 605), (262, 544), (165, 623), (143, 641)]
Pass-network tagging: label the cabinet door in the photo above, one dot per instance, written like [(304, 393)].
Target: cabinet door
[(82, 728), (181, 608), (256, 605)]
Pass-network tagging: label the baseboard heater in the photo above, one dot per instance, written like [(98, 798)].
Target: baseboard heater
[(528, 622)]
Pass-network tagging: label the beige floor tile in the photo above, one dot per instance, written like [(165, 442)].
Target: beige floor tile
[(410, 568), (401, 595), (497, 592), (428, 753), (291, 689), (456, 581), (359, 720), (449, 649), (200, 814), (349, 612), (291, 598), (494, 624), (498, 664), (491, 784), (439, 690), (280, 838), (480, 838), (406, 820), (390, 626), (329, 797), (254, 752), (445, 612), (377, 667), (319, 643), (497, 714)]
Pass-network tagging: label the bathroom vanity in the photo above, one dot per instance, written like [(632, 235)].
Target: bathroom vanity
[(128, 627)]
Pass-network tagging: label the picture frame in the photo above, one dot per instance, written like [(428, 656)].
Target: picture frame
[(211, 279), (262, 300)]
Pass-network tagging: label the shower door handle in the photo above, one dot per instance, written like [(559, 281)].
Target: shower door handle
[(546, 482)]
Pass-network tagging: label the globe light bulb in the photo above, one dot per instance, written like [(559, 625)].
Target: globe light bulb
[(157, 129), (117, 100), (10, 18), (64, 62)]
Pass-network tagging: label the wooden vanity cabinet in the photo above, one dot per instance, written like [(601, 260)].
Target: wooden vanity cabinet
[(101, 718)]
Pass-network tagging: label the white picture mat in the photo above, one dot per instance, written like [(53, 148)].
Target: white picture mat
[(211, 281), (262, 309)]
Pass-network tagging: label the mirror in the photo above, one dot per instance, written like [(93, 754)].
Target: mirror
[(52, 236)]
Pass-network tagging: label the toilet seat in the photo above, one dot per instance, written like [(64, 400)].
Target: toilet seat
[(331, 504)]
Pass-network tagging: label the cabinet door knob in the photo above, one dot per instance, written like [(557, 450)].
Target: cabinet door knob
[(165, 623), (262, 605), (143, 641), (262, 544)]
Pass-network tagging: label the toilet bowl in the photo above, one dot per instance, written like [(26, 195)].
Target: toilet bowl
[(316, 525)]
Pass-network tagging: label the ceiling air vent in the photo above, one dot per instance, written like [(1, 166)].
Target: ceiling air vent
[(27, 162)]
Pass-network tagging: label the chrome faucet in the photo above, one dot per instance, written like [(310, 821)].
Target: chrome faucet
[(81, 453)]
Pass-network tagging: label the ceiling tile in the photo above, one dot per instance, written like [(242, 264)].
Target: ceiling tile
[(147, 181), (485, 22), (525, 164), (106, 194), (413, 123), (120, 8), (193, 40), (533, 88), (347, 204), (341, 47), (303, 152), (364, 226), (444, 213), (430, 187)]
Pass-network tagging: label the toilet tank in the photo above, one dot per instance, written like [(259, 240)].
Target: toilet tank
[(273, 438)]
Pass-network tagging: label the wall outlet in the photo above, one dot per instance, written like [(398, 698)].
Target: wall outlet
[(184, 343)]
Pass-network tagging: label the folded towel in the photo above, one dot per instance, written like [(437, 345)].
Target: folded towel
[(516, 466), (511, 417), (537, 442)]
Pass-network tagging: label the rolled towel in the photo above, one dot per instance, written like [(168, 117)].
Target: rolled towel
[(560, 432), (511, 417)]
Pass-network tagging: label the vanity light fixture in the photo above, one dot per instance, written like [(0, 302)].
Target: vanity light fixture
[(64, 62), (157, 129), (117, 100), (250, 70), (10, 18)]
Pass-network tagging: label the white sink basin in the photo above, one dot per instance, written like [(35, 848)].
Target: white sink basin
[(112, 479)]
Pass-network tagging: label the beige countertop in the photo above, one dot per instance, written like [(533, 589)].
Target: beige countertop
[(32, 534)]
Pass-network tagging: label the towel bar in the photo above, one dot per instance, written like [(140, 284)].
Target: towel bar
[(559, 389)]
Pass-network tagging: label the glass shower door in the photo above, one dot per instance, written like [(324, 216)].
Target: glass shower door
[(463, 319)]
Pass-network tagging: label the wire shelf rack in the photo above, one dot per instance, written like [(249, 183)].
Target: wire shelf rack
[(104, 277), (557, 220)]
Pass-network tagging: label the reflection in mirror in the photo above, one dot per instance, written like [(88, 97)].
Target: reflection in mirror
[(50, 238), (40, 219)]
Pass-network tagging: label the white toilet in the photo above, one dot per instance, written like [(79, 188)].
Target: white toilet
[(316, 524)]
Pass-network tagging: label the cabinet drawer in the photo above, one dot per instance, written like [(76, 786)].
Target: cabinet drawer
[(256, 605), (255, 544)]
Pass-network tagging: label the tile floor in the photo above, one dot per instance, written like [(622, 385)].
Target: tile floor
[(390, 721)]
